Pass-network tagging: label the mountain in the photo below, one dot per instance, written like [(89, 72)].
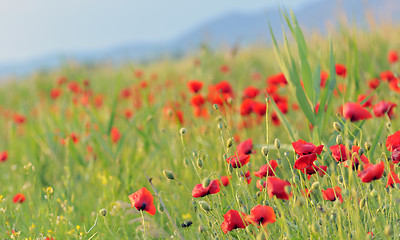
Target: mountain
[(226, 30)]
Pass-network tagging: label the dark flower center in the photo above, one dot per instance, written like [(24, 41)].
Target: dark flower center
[(143, 207)]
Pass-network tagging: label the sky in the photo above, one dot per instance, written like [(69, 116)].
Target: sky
[(32, 29)]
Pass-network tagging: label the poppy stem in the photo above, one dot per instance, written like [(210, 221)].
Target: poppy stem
[(144, 226), (165, 208)]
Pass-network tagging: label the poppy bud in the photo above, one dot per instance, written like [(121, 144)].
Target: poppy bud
[(239, 199), (206, 182), (229, 143), (380, 144), (374, 193), (286, 154), (264, 151), (333, 216), (355, 142), (182, 131), (230, 169), (337, 126), (389, 125), (258, 194), (388, 230), (186, 162), (160, 208), (103, 212), (205, 206), (360, 152), (199, 163), (362, 203), (168, 174), (367, 146), (288, 189), (220, 126), (339, 139), (194, 153), (315, 186), (215, 106), (296, 179), (277, 143), (201, 229), (340, 179), (315, 228)]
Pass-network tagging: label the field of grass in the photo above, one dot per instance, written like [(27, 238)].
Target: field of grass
[(79, 144)]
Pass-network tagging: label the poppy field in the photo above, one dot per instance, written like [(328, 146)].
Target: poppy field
[(298, 140)]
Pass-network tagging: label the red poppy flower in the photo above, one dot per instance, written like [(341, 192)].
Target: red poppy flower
[(74, 138), (61, 80), (372, 172), (74, 87), (305, 161), (341, 70), (259, 108), (224, 69), (276, 187), (340, 153), (261, 186), (3, 156), (247, 176), (238, 163), (246, 107), (55, 93), (142, 200), (374, 83), (355, 112), (200, 191), (277, 79), (195, 86), (19, 198), (19, 119), (261, 215), (245, 147), (387, 76), (324, 77), (251, 92), (381, 108), (367, 103), (393, 57), (138, 73), (197, 100), (321, 170), (302, 147), (225, 180), (394, 85), (126, 93), (267, 170), (115, 135), (355, 161), (393, 141), (396, 155), (275, 119), (332, 194), (306, 193), (233, 219), (392, 179)]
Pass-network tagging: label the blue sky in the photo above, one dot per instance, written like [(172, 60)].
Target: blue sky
[(35, 28)]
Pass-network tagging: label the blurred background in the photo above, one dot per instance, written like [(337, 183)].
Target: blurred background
[(43, 34)]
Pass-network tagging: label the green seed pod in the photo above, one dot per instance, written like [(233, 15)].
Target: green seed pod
[(367, 146), (339, 139), (264, 151), (389, 125), (199, 163), (388, 230), (169, 175), (374, 193), (103, 212), (277, 143), (315, 186), (205, 206), (182, 131), (206, 182), (229, 143), (216, 107), (337, 127)]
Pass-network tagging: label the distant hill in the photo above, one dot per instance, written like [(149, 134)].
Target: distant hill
[(226, 30)]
